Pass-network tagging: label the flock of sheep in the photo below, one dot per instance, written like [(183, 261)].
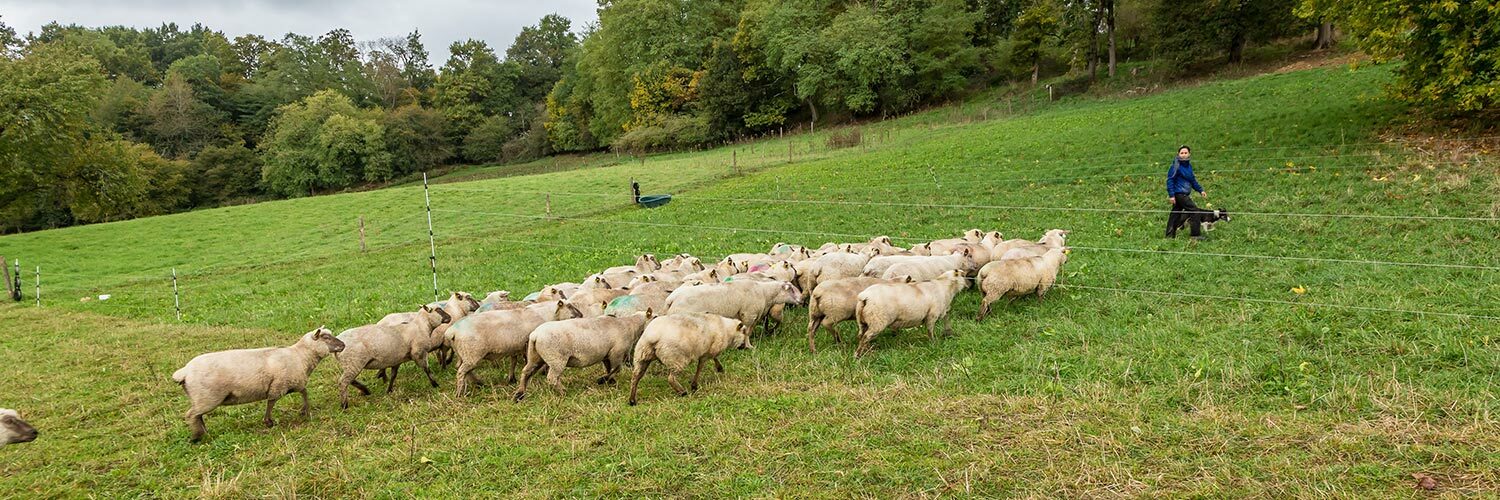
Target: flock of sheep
[(677, 311)]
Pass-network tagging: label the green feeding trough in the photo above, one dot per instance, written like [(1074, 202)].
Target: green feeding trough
[(650, 200)]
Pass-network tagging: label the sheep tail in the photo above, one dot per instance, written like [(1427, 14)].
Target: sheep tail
[(180, 376), (859, 315), (643, 352)]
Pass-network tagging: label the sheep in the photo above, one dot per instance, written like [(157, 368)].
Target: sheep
[(497, 335), (458, 305), (679, 339), (963, 259), (248, 375), (579, 343), (833, 301), (906, 305), (387, 345), (13, 430), (560, 291), (616, 279), (495, 298), (834, 266), (747, 301), (683, 263), (593, 282), (741, 262), (639, 280), (646, 263), (932, 267), (591, 303), (711, 275), (1015, 249), (1018, 277), (881, 244), (946, 246), (655, 287)]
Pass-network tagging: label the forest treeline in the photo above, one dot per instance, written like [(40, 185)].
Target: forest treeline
[(108, 123)]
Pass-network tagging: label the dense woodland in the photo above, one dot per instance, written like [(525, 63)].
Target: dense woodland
[(109, 123)]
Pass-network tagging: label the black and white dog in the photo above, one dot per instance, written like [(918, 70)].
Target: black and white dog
[(1209, 217)]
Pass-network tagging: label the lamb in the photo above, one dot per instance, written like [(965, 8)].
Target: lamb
[(388, 344), (747, 301), (497, 335), (833, 302), (579, 343), (1015, 249), (679, 339), (963, 260), (1019, 277), (591, 303), (248, 375), (646, 263), (13, 430), (906, 305)]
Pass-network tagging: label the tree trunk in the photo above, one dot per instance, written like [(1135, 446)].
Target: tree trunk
[(1036, 70), (814, 109), (1325, 36), (1237, 47), (1094, 43), (1110, 23)]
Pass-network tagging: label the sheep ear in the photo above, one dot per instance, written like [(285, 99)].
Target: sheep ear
[(650, 314)]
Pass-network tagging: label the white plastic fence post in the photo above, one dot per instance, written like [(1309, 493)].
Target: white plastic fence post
[(431, 241)]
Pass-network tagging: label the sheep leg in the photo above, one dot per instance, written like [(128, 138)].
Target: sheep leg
[(461, 380), (391, 384), (984, 306), (609, 371), (360, 386), (554, 377), (422, 362), (931, 324), (635, 380), (531, 368), (195, 423), (306, 405), (672, 379), (270, 405), (697, 373), (718, 367), (814, 320), (514, 361), (947, 325)]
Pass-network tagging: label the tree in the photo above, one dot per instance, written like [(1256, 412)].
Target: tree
[(46, 97), (10, 44), (414, 137), (323, 142), (1450, 53), (178, 123), (1033, 27), (224, 174), (538, 53)]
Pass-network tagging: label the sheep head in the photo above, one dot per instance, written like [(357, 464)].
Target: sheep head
[(14, 430)]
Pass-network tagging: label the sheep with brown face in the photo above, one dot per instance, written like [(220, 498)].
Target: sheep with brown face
[(248, 375), (579, 343), (747, 301), (499, 335), (834, 301), (646, 263), (13, 430), (677, 340), (1019, 277), (591, 303), (906, 305), (395, 340)]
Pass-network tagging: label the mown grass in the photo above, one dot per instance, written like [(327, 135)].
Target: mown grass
[(1088, 393)]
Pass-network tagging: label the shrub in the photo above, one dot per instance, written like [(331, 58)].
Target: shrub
[(846, 138)]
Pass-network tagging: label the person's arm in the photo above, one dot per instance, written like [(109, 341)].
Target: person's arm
[(1171, 174), (1194, 180)]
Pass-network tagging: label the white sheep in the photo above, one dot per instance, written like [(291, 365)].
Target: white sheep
[(458, 305), (496, 297), (834, 266), (498, 335), (560, 291), (932, 267), (389, 344), (677, 340), (646, 263), (747, 301), (906, 305), (248, 375), (1019, 277), (13, 429), (616, 279), (1016, 249), (833, 302), (946, 246), (579, 343), (963, 259), (591, 303)]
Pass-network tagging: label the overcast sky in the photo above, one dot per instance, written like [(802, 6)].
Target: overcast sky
[(440, 21)]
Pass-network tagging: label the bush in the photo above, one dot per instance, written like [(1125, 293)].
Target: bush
[(846, 138), (415, 138), (676, 132), (225, 173), (486, 142)]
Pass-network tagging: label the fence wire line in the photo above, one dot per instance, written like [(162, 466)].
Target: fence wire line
[(1285, 302), (1036, 208), (863, 237), (949, 167)]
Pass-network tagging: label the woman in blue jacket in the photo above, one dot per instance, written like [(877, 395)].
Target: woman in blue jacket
[(1180, 184)]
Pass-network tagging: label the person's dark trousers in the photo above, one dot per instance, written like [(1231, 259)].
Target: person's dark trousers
[(1183, 210)]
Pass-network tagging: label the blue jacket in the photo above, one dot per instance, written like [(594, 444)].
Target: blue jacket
[(1180, 178)]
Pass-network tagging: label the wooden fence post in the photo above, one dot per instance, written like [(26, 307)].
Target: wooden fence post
[(361, 234)]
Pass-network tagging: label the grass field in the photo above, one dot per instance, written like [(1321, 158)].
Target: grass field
[(1107, 388)]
